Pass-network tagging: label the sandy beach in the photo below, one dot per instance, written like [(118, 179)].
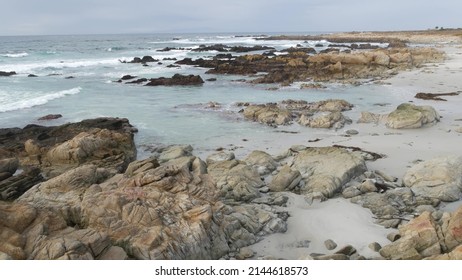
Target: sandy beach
[(349, 224)]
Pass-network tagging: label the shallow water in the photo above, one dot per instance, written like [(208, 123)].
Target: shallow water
[(168, 115)]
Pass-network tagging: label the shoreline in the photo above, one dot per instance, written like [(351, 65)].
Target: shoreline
[(308, 221)]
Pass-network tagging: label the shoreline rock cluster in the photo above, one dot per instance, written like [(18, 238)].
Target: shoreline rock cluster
[(301, 65), (175, 80), (328, 114), (322, 114), (95, 201)]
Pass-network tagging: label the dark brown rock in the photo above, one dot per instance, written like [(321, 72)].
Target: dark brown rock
[(435, 96), (176, 80), (14, 186), (127, 77), (7, 74), (143, 60), (54, 149), (138, 81), (50, 117)]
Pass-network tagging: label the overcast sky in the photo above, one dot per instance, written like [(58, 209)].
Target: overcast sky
[(37, 17)]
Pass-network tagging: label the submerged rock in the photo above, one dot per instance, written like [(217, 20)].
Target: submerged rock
[(7, 74), (50, 117)]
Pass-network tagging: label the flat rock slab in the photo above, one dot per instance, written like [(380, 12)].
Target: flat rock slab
[(326, 169)]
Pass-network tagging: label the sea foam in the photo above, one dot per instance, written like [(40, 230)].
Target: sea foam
[(14, 55), (55, 65), (37, 99)]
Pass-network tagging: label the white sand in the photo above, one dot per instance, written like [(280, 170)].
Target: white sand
[(337, 219), (344, 222)]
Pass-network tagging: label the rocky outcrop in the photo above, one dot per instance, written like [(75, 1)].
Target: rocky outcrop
[(8, 167), (406, 116), (176, 80), (439, 178), (50, 117), (237, 49), (285, 180), (393, 206), (300, 65), (334, 120), (411, 116), (435, 96), (428, 238), (7, 74), (236, 180), (50, 151), (106, 147), (152, 211), (143, 60), (326, 170), (262, 161), (269, 114), (12, 187), (289, 111)]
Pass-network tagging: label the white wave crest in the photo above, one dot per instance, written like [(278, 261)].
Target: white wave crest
[(30, 100), (14, 55), (54, 65)]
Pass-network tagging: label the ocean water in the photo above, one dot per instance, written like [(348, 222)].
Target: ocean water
[(163, 115)]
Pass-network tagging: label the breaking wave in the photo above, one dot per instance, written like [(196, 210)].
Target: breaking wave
[(29, 100), (14, 55)]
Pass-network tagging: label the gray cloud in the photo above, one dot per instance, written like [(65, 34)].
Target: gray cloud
[(22, 17)]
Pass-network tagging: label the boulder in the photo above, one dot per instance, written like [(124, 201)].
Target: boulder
[(286, 180), (236, 180), (423, 237), (103, 146), (331, 120), (174, 152), (13, 187), (268, 114), (411, 116), (263, 162), (452, 229), (105, 142), (419, 239), (381, 58), (9, 165), (326, 169), (438, 178), (220, 156)]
